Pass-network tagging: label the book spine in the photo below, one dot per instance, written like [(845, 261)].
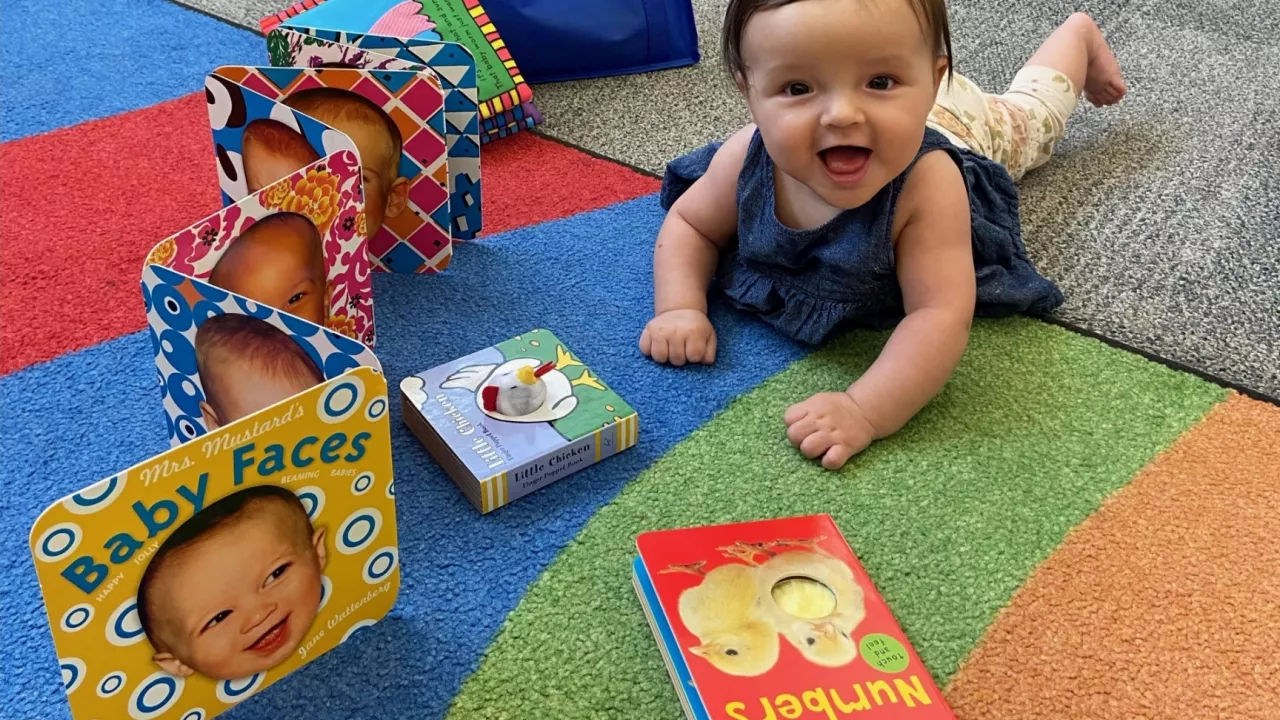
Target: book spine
[(500, 489)]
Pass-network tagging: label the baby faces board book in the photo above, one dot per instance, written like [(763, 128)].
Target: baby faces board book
[(777, 619), (505, 98), (450, 64), (180, 587), (262, 300), (269, 122)]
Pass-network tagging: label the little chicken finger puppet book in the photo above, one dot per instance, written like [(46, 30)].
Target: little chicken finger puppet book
[(777, 619), (182, 586), (506, 100), (515, 417), (450, 64)]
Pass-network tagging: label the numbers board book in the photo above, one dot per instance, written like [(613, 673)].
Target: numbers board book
[(182, 586), (501, 86), (514, 417), (777, 619)]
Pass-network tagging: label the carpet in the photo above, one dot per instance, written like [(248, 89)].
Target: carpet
[(1067, 517), (1158, 218)]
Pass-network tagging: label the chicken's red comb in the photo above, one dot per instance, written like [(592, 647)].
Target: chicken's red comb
[(489, 398), (544, 369)]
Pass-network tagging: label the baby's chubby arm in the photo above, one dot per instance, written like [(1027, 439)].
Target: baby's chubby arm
[(697, 228), (936, 273)]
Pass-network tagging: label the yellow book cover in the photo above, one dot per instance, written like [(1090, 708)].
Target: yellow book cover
[(187, 583)]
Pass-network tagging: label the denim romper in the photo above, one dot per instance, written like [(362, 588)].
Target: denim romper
[(809, 283)]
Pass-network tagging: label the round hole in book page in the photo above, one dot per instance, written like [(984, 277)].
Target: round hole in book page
[(803, 597)]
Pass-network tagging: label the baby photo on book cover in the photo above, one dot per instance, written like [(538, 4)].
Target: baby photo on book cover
[(191, 581), (393, 119), (221, 357), (449, 64), (296, 244)]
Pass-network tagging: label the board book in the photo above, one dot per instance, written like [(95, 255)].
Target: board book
[(514, 417), (181, 586), (505, 98), (268, 122), (449, 65), (777, 618)]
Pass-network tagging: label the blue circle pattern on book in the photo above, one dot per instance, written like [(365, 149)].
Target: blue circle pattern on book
[(77, 617), (358, 531), (234, 691), (124, 627), (155, 696), (174, 346), (73, 670), (111, 684)]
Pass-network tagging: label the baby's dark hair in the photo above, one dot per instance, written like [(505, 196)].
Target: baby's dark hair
[(220, 513), (932, 15)]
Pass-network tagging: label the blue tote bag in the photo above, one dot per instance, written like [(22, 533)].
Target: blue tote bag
[(555, 40)]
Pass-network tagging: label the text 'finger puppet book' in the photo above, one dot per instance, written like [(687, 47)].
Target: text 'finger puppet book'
[(777, 619), (515, 417)]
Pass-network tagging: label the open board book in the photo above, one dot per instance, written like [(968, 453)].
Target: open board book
[(777, 619), (274, 404)]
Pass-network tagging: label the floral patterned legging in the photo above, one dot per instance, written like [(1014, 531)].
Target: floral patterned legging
[(1017, 129)]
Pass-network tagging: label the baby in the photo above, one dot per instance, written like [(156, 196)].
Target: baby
[(279, 262), (376, 137), (246, 364), (271, 150), (233, 590), (873, 189)]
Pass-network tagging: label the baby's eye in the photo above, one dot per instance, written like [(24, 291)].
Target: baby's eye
[(217, 619), (275, 574), (797, 89), (296, 298), (881, 82)]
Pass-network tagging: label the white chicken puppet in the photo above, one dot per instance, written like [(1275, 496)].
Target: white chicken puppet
[(518, 390)]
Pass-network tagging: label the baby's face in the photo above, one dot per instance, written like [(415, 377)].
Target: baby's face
[(281, 266), (241, 599), (382, 182), (841, 90)]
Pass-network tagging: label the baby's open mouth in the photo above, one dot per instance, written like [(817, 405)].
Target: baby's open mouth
[(845, 162), (271, 640)]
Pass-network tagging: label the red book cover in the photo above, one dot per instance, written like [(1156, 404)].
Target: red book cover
[(777, 619)]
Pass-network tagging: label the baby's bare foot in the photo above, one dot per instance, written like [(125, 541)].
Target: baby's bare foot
[(1103, 83)]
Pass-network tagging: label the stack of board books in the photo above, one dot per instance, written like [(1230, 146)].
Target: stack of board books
[(514, 417), (777, 619)]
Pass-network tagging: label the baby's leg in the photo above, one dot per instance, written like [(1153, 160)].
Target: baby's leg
[(1078, 50), (1043, 94), (1020, 128)]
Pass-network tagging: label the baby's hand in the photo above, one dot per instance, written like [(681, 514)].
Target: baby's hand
[(677, 336), (829, 425)]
